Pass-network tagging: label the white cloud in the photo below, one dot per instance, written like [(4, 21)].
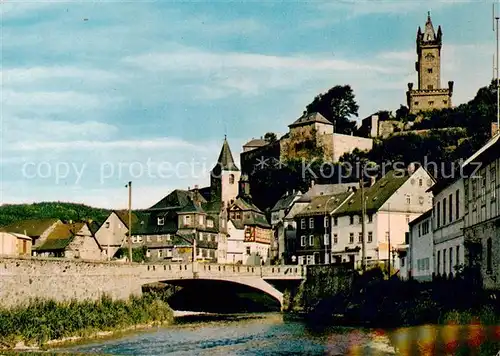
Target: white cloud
[(28, 75), (79, 145), (366, 7)]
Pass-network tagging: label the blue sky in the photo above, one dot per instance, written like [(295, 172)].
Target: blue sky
[(95, 94)]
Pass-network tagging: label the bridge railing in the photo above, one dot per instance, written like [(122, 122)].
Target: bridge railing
[(201, 270)]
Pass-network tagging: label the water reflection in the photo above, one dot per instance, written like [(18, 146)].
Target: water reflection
[(271, 334)]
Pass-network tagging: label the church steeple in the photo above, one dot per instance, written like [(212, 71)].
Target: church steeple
[(226, 160)]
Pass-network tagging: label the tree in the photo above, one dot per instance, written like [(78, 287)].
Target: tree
[(402, 113), (384, 115), (270, 137), (338, 105)]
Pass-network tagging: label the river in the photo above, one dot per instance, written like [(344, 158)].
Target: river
[(276, 334)]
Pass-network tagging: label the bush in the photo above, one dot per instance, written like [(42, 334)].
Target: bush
[(42, 320)]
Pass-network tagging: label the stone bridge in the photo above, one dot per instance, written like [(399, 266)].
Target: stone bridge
[(62, 279)]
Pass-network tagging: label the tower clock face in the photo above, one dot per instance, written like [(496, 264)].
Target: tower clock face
[(429, 57)]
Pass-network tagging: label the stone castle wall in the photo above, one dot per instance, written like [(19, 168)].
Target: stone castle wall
[(59, 279)]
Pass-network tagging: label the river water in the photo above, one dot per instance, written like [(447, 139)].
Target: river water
[(276, 334)]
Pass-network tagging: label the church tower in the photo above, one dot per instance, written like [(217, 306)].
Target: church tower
[(429, 95), (224, 177)]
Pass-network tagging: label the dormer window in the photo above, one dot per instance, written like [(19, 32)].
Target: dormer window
[(311, 223), (231, 179), (302, 223), (187, 220), (201, 219), (107, 225), (210, 223), (161, 221)]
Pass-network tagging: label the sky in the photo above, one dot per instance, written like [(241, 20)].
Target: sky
[(98, 93)]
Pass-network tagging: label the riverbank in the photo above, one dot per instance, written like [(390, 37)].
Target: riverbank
[(47, 323)]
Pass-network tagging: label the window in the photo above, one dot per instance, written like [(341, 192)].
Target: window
[(231, 179), (302, 223), (430, 87), (408, 198), (420, 182), (370, 218), (438, 214), (335, 221), (444, 211), (351, 220), (402, 262), (201, 236), (168, 237), (445, 102), (451, 259), (248, 250), (457, 258), (301, 260), (161, 221), (360, 237), (327, 221), (439, 262), (326, 239), (387, 236), (489, 255), (450, 208), (444, 261), (311, 240), (187, 220), (160, 253), (148, 253), (302, 241), (351, 238), (210, 223), (457, 204), (429, 70), (237, 215), (107, 224), (335, 239), (416, 103), (311, 223), (493, 183), (370, 236)]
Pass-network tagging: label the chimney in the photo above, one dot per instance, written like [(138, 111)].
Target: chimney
[(494, 129)]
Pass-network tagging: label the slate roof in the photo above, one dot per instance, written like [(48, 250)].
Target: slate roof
[(422, 217), (226, 160), (123, 216), (60, 237), (309, 119), (376, 195), (324, 204), (251, 215), (31, 227), (285, 201), (256, 142)]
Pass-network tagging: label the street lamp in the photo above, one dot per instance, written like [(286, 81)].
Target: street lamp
[(129, 186)]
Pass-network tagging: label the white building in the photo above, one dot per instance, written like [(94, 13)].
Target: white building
[(448, 224), (112, 234), (420, 261), (391, 203)]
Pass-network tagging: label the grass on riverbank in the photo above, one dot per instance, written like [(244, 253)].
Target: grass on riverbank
[(42, 320), (487, 315)]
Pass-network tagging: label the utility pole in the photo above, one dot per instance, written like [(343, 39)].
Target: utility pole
[(129, 185), (363, 224), (389, 239), (495, 28)]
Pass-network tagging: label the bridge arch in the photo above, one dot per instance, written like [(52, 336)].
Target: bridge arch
[(256, 284)]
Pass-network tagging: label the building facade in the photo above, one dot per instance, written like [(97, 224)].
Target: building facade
[(391, 203), (429, 95), (420, 261), (448, 226), (112, 234), (14, 244), (482, 212), (313, 239)]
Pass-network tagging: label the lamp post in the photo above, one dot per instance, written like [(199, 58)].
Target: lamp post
[(129, 186), (389, 240)]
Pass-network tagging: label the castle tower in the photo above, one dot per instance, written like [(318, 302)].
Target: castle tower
[(225, 176), (429, 95)]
